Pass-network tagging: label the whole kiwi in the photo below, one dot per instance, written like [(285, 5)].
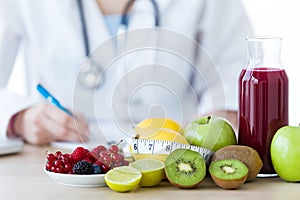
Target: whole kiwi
[(245, 154)]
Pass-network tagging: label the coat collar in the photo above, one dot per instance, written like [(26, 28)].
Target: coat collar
[(143, 13), (142, 17)]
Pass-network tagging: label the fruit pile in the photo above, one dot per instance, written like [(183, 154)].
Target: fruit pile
[(185, 168), (82, 161), (230, 166)]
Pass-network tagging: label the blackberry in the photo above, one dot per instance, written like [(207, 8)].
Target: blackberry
[(83, 167)]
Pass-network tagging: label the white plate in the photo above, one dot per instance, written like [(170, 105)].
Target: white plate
[(77, 180)]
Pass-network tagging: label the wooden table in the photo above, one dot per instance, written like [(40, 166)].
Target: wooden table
[(22, 177)]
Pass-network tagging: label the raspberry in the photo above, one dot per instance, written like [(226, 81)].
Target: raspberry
[(79, 153), (91, 157), (83, 167)]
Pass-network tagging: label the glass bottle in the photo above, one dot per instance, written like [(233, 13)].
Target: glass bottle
[(263, 98)]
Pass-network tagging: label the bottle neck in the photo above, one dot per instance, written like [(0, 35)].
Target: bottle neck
[(264, 52)]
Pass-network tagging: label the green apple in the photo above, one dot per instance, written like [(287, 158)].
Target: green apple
[(210, 132), (285, 153)]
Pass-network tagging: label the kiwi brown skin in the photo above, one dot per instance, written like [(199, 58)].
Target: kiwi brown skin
[(245, 154), (229, 184)]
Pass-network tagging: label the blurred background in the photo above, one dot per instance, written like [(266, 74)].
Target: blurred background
[(281, 17), (269, 17)]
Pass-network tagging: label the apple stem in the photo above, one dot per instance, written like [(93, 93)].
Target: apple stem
[(208, 118), (137, 136)]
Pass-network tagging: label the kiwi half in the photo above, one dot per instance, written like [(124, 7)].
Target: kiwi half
[(229, 173), (185, 168), (247, 155)]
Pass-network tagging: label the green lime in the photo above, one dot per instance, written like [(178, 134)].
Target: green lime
[(123, 179), (152, 171)]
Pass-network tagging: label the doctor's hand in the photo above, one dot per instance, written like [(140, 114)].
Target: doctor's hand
[(45, 123)]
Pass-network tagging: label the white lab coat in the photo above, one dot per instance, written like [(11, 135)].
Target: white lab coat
[(49, 34)]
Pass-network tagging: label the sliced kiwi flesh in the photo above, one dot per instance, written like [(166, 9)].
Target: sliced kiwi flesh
[(185, 168), (228, 173)]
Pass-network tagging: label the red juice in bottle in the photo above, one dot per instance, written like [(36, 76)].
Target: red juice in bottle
[(263, 98), (263, 109)]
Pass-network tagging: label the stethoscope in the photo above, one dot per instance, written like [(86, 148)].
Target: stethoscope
[(91, 74)]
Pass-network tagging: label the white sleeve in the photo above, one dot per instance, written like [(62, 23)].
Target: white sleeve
[(223, 28), (10, 38)]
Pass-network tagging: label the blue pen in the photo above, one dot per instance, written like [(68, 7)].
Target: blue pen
[(52, 99)]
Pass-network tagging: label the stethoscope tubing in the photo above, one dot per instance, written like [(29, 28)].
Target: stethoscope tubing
[(84, 28)]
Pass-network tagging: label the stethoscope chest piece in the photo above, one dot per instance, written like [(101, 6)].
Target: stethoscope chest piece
[(91, 74)]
